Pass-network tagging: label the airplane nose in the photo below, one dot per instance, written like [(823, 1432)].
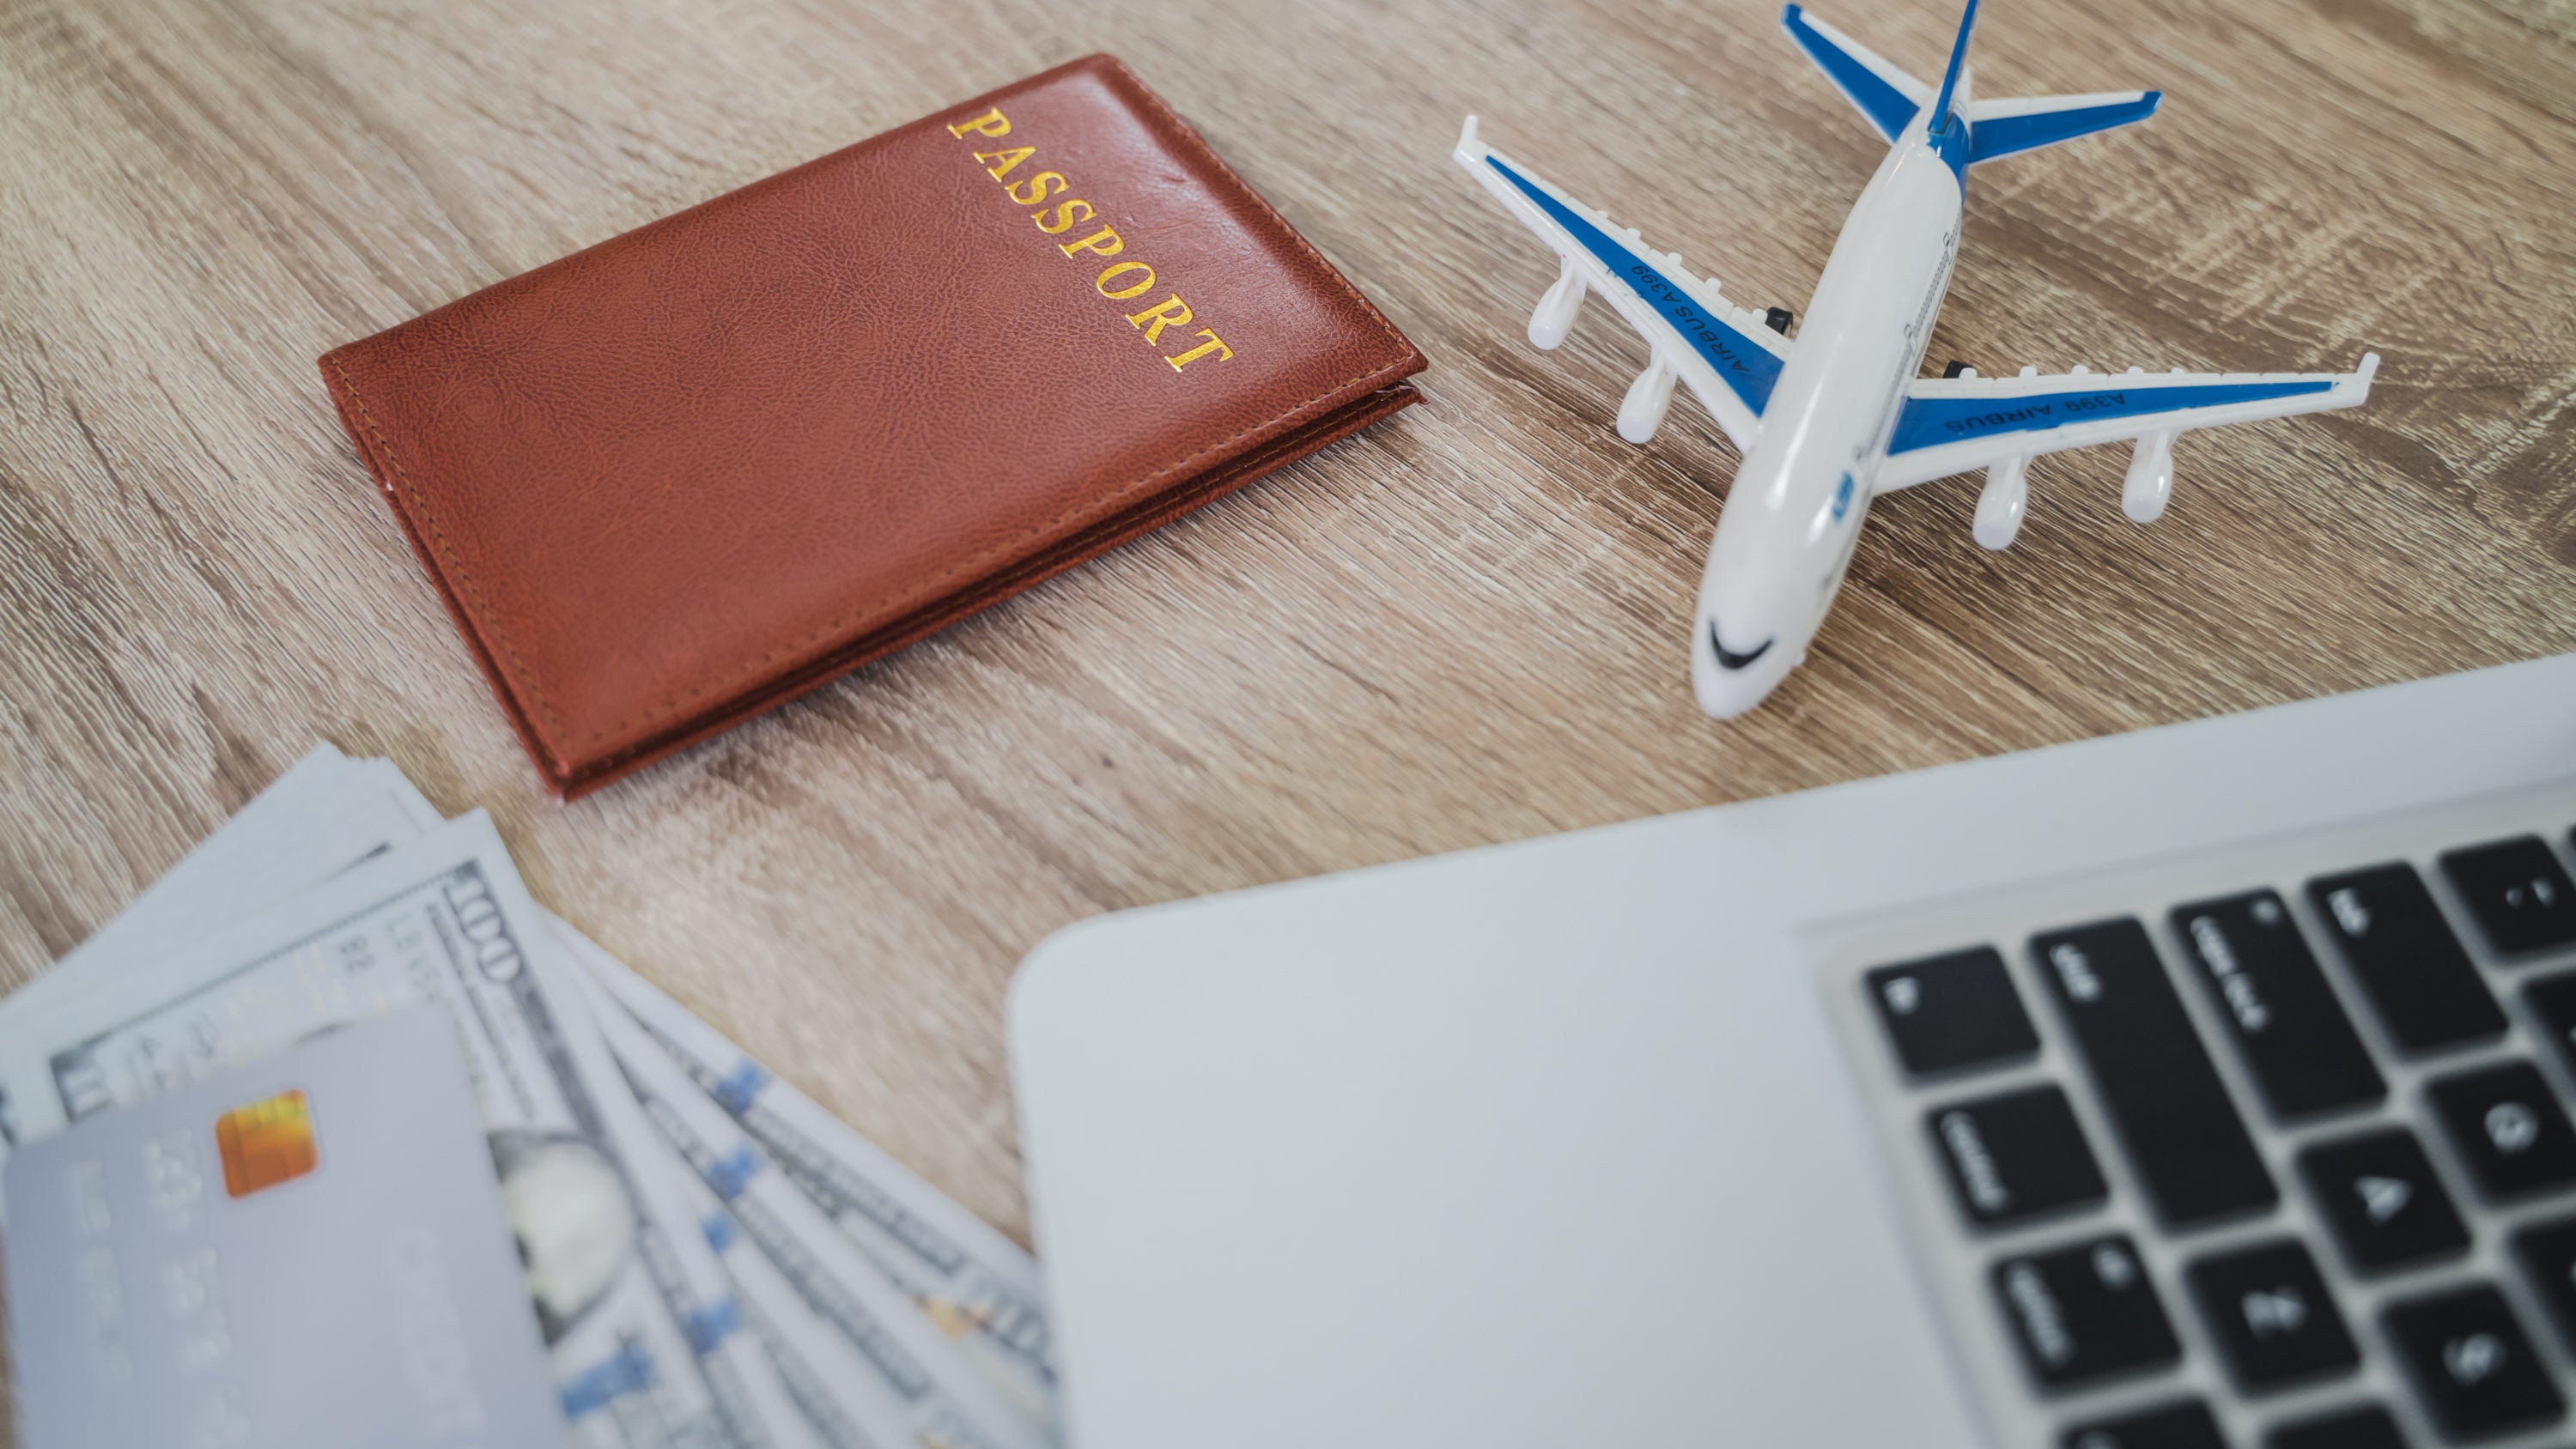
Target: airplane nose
[(1731, 659), (1730, 682)]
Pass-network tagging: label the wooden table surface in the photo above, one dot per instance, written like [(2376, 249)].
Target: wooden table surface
[(1465, 626)]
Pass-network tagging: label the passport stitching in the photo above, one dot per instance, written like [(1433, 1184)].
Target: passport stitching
[(928, 588), (519, 670), (522, 682), (483, 614), (1180, 131)]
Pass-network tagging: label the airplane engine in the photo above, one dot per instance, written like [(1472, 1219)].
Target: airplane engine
[(2005, 499), (1556, 309), (2144, 492), (1642, 410)]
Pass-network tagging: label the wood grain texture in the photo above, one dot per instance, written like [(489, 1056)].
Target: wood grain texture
[(1466, 626)]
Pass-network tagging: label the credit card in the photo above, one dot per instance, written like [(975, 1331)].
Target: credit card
[(307, 1252)]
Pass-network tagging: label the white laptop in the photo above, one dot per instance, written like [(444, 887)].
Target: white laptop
[(2203, 1086)]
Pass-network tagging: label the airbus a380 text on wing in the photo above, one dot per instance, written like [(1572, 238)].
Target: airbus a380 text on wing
[(1828, 422)]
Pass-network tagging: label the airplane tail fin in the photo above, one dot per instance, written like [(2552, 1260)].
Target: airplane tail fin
[(2026, 123), (1890, 99), (1956, 71)]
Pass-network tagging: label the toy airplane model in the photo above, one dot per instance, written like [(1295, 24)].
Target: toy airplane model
[(1838, 417)]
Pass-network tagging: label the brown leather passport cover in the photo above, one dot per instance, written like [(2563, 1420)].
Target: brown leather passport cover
[(700, 468)]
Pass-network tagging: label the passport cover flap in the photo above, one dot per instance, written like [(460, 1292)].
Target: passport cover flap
[(670, 480)]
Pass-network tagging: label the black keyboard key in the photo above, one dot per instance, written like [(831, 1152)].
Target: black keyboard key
[(2469, 1356), (2380, 1195), (2274, 1320), (2548, 1255), (2518, 891), (2085, 1313), (2155, 1078), (2016, 1156), (2553, 1000), (2175, 1426), (2419, 980), (2509, 1128), (2367, 1427), (2266, 983), (1950, 1013)]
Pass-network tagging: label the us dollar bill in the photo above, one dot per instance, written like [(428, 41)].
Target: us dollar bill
[(323, 815), (843, 1395), (442, 920), (727, 1335), (977, 1286), (947, 1404)]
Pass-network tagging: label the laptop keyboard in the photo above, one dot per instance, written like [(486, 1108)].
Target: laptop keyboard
[(2316, 1017)]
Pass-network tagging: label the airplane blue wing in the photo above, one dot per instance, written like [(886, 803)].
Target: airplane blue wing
[(1725, 353), (1954, 425), (2010, 127), (1889, 97)]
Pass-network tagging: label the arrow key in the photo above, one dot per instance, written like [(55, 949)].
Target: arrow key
[(2274, 1320), (2380, 1196)]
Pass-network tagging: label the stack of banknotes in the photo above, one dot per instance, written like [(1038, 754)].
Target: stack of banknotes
[(713, 1259)]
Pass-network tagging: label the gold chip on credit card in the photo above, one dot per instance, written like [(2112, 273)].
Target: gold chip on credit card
[(265, 1143)]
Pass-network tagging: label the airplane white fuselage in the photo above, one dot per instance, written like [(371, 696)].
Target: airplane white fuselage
[(1794, 511)]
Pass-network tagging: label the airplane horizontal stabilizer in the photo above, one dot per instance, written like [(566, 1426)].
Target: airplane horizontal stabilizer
[(1887, 96), (2010, 127)]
